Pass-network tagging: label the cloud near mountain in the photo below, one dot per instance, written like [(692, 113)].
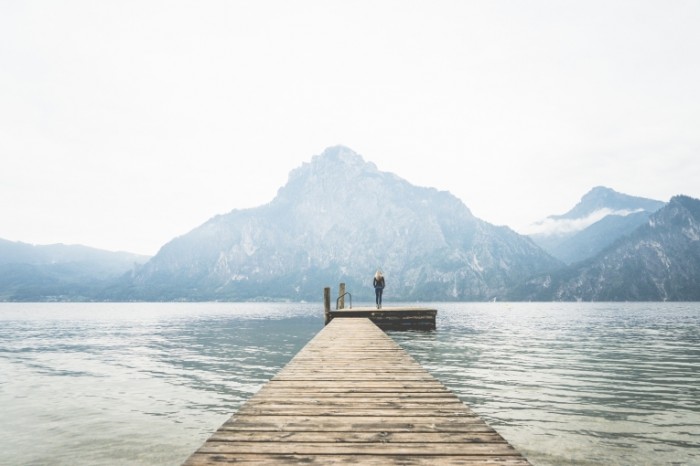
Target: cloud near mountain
[(553, 226), (658, 261)]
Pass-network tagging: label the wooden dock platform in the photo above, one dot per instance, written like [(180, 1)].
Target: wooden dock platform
[(391, 318), (353, 396)]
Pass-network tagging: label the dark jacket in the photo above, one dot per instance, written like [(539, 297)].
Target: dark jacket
[(379, 283)]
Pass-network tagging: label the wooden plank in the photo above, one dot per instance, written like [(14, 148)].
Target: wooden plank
[(352, 411), (384, 460), (356, 424), (385, 402), (367, 448), (353, 396), (423, 385), (357, 437), (360, 390)]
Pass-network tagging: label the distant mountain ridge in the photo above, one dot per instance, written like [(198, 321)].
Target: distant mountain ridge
[(601, 217), (601, 197), (339, 218), (659, 261), (58, 271)]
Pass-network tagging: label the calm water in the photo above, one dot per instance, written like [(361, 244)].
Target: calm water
[(146, 384)]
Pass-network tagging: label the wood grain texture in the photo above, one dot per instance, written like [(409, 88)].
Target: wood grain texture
[(354, 396)]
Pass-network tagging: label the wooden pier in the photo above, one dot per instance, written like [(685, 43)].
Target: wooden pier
[(353, 396), (391, 318), (386, 318)]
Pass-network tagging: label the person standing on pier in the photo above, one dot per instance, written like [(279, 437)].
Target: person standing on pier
[(378, 287)]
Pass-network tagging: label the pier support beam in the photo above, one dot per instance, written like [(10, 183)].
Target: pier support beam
[(341, 296), (327, 305)]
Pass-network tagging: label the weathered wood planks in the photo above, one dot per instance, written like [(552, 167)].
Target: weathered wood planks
[(353, 396)]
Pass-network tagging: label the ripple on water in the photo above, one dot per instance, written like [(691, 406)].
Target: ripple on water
[(606, 383), (576, 384)]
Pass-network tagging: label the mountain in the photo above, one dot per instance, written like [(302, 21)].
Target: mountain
[(601, 217), (659, 261), (338, 219), (58, 272)]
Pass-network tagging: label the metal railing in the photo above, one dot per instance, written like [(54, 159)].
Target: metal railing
[(337, 301)]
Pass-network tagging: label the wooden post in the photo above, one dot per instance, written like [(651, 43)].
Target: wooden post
[(327, 304), (341, 294)]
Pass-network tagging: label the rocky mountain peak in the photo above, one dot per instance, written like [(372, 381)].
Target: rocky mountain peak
[(340, 156), (600, 217), (658, 261), (338, 218), (692, 206), (337, 162), (681, 211), (601, 197), (330, 177)]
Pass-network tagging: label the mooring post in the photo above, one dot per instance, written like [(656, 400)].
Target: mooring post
[(341, 299), (327, 304)]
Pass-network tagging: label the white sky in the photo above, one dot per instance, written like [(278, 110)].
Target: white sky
[(126, 123)]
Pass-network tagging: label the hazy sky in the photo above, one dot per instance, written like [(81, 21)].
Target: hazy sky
[(126, 123)]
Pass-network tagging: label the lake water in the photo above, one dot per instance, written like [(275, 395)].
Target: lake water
[(146, 384)]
